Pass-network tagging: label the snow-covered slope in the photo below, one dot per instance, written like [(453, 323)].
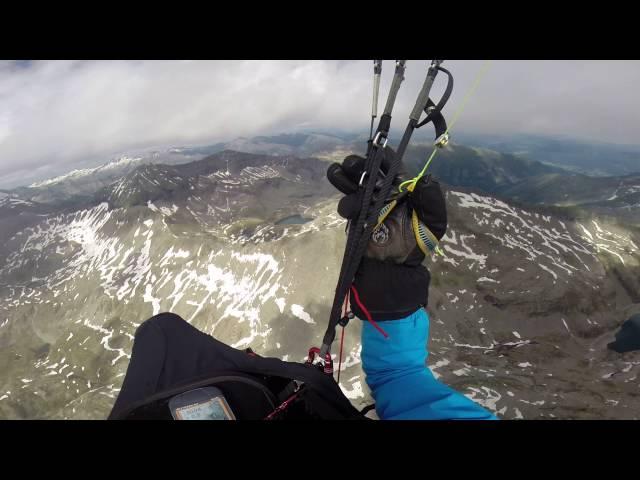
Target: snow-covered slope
[(116, 165)]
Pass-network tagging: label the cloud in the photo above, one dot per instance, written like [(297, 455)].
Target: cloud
[(57, 113)]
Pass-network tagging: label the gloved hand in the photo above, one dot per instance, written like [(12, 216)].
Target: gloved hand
[(397, 238), (347, 176), (391, 279), (426, 199), (429, 203)]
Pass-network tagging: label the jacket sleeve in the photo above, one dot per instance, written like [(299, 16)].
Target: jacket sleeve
[(401, 383)]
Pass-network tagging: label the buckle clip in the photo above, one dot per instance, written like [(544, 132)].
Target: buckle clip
[(376, 140), (362, 177)]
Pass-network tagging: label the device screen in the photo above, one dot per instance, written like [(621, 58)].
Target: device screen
[(201, 404)]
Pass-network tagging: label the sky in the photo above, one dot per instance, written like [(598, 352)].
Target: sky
[(55, 114)]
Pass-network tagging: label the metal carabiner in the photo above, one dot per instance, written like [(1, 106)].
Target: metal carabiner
[(362, 177), (376, 141), (442, 141)]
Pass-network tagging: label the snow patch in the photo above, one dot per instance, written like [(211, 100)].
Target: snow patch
[(281, 304), (355, 392), (299, 312)]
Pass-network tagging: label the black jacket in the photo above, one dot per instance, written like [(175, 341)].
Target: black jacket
[(390, 291)]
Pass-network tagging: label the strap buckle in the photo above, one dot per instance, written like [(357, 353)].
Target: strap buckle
[(376, 140), (344, 321), (362, 177), (346, 314)]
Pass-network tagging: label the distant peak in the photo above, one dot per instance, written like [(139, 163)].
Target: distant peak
[(79, 173)]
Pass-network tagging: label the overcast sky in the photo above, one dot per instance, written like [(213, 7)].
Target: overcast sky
[(59, 113)]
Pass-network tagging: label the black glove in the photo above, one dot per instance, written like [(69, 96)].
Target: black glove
[(429, 204), (391, 288), (346, 177)]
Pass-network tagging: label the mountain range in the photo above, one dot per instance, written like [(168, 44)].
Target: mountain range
[(247, 247)]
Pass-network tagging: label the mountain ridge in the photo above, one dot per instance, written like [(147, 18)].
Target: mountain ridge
[(522, 303)]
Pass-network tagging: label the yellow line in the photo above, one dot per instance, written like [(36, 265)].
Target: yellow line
[(411, 184)]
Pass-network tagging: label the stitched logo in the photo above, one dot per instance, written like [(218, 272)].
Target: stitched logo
[(380, 235)]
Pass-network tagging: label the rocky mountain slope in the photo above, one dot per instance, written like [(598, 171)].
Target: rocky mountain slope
[(248, 247)]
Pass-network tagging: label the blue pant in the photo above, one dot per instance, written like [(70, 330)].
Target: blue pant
[(402, 385)]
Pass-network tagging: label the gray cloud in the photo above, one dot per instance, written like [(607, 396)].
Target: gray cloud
[(63, 112)]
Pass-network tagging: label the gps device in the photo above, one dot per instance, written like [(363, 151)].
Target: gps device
[(201, 404)]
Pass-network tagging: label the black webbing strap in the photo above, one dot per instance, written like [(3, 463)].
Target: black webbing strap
[(367, 409), (360, 231), (434, 112)]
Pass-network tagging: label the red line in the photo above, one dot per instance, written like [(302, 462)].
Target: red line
[(282, 406), (340, 362), (366, 312)]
